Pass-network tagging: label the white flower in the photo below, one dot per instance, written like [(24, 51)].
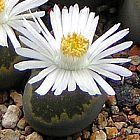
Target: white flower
[(11, 16), (69, 58)]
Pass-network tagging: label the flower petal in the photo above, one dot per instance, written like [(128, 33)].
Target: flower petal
[(105, 86), (3, 37), (95, 44), (42, 74), (116, 69), (31, 64), (111, 60), (36, 14), (71, 83), (26, 52), (115, 49), (109, 41), (12, 36), (104, 72), (26, 5), (47, 83)]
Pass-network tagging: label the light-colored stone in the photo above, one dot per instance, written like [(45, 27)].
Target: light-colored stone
[(135, 60), (111, 132), (133, 137), (17, 98), (102, 121), (3, 110), (98, 135), (119, 125), (34, 136), (136, 131), (11, 117), (9, 134), (22, 123)]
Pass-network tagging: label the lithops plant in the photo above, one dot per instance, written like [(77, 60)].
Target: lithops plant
[(70, 66), (129, 15)]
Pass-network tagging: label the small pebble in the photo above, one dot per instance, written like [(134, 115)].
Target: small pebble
[(126, 131), (134, 118), (17, 98), (138, 107), (11, 117), (98, 135), (94, 127), (136, 131), (102, 121), (114, 110), (34, 136), (133, 137), (28, 130), (111, 101), (119, 118), (22, 123), (135, 60), (135, 50), (112, 132), (86, 134), (22, 137), (110, 122), (119, 125), (9, 134), (3, 110)]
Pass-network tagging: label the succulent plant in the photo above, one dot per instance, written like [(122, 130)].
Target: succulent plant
[(129, 15), (60, 115), (10, 77)]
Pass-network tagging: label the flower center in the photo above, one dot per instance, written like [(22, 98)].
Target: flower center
[(74, 45), (2, 5)]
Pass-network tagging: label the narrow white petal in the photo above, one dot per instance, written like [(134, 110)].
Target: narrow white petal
[(105, 86), (83, 19), (115, 49), (26, 5), (36, 14), (105, 72), (90, 83), (49, 37), (70, 18), (58, 79), (71, 83), (111, 60), (116, 69), (58, 20), (38, 37), (75, 18), (65, 80), (95, 45), (47, 83), (89, 22), (12, 36), (65, 21), (109, 41), (3, 37), (79, 81), (63, 84), (42, 74), (26, 52), (31, 64), (58, 91), (91, 33)]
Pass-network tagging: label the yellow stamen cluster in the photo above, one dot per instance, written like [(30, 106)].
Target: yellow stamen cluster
[(2, 5), (74, 45)]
